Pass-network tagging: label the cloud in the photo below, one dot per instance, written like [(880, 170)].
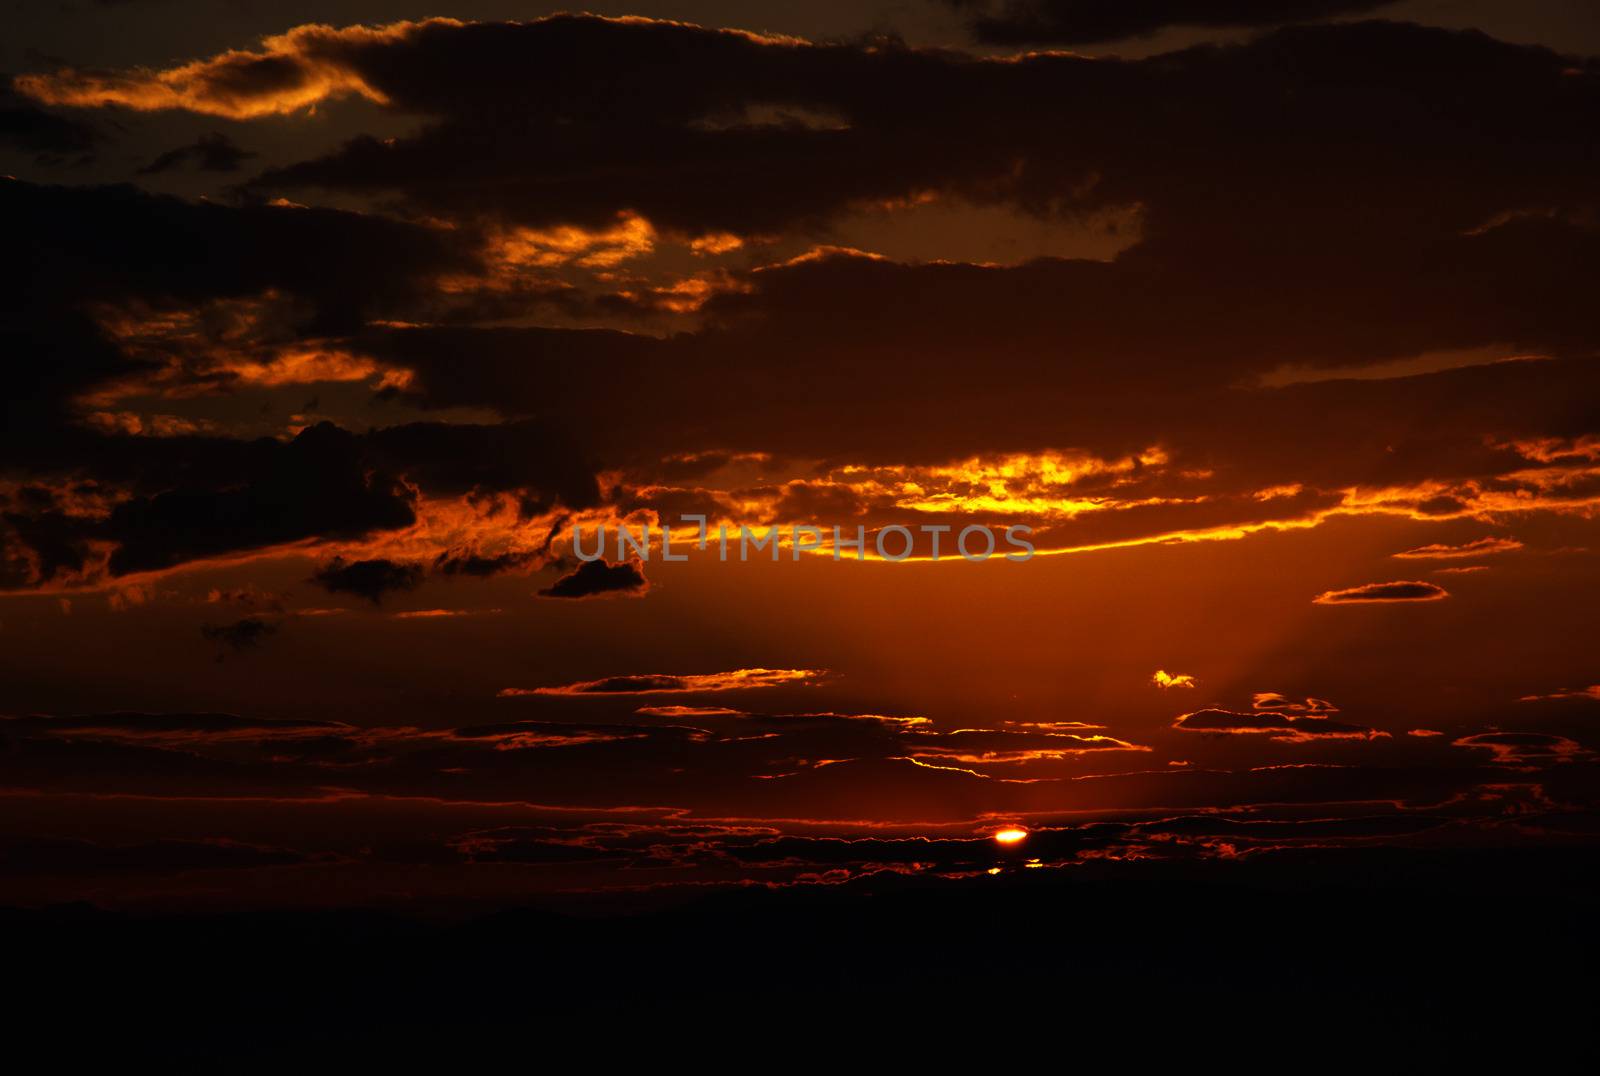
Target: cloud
[(1233, 457), (1477, 548), (27, 127), (1272, 700), (1405, 591), (1165, 680), (796, 767), (249, 598), (291, 71), (89, 255), (1524, 748), (1090, 22), (370, 579), (436, 614), (183, 499), (980, 747), (463, 562), (600, 579), (1590, 692), (1283, 726), (214, 152), (655, 683), (241, 635)]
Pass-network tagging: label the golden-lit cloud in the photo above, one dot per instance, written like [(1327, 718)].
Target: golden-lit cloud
[(436, 614), (220, 346), (287, 73), (658, 683), (1165, 680), (1296, 723), (1590, 692), (1525, 749), (1477, 548), (631, 237), (1400, 591)]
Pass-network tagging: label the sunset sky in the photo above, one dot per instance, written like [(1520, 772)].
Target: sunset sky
[(324, 324)]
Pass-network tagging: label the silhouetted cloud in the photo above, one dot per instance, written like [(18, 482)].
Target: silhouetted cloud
[(1089, 22), (1403, 591), (655, 683), (461, 562), (370, 579), (31, 129), (1524, 748), (600, 579), (214, 152), (240, 635), (1290, 727)]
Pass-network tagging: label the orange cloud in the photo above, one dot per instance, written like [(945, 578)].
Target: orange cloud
[(288, 73), (1477, 548), (434, 614), (1590, 692), (1281, 726), (1400, 591), (1521, 749), (659, 683)]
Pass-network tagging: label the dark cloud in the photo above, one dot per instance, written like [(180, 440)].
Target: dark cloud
[(1415, 257), (240, 635), (370, 579), (105, 244), (951, 317), (511, 844), (542, 466), (1360, 120), (1089, 22), (197, 497), (600, 579), (1271, 721), (1402, 591), (461, 562), (78, 253), (27, 127), (723, 764), (656, 683), (1525, 748), (1272, 700), (214, 152), (318, 485)]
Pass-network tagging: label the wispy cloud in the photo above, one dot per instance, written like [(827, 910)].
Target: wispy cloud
[(666, 683), (1400, 591), (1477, 548)]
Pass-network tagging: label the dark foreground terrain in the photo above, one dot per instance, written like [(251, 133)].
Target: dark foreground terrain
[(1385, 960)]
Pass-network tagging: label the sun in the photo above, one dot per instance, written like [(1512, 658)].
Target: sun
[(1011, 835)]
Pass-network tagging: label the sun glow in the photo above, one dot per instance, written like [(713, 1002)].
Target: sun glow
[(1011, 835)]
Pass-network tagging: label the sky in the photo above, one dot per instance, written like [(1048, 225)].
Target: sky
[(1267, 329)]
